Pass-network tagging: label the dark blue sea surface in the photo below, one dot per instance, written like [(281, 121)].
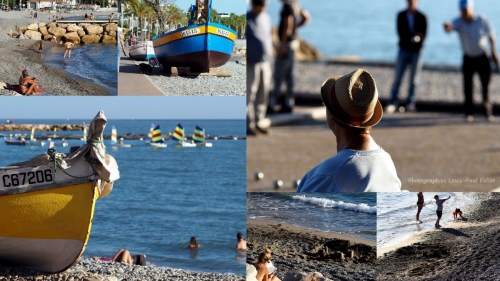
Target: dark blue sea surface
[(353, 214), (165, 196)]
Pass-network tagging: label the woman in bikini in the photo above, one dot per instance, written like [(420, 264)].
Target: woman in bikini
[(420, 204), (262, 270), (27, 84)]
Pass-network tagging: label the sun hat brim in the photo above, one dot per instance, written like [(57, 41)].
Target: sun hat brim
[(326, 95)]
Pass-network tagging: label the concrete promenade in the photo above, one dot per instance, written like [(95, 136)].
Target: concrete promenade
[(132, 83)]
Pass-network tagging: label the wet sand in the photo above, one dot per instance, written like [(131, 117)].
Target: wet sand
[(461, 250), (17, 55), (297, 249)]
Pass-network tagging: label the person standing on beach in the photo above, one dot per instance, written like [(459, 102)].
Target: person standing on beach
[(292, 18), (360, 165), (69, 45), (259, 31), (420, 204), (475, 31), (110, 18), (412, 30), (439, 210), (40, 47)]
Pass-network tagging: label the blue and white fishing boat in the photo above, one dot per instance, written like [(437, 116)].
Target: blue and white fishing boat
[(142, 50), (198, 46)]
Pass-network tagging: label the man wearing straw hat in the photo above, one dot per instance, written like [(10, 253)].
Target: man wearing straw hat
[(360, 165), (475, 31)]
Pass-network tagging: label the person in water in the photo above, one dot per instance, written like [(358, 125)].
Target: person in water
[(193, 244)]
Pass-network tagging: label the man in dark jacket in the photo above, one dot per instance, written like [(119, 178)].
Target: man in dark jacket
[(412, 29)]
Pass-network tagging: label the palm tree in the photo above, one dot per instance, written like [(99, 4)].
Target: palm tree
[(142, 10)]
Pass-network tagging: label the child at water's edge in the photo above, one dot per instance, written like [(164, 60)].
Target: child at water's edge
[(439, 210)]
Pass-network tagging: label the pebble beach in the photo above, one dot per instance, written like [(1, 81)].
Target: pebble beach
[(297, 250), (17, 55), (96, 270)]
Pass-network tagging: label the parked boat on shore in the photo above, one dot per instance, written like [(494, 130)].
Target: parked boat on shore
[(47, 203), (197, 46), (142, 50)]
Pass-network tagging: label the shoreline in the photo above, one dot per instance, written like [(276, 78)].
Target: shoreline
[(267, 224), (461, 250), (296, 249), (89, 269), (23, 54)]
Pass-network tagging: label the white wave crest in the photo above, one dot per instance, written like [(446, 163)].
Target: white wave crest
[(328, 203)]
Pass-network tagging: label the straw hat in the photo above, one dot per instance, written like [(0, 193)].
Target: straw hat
[(352, 99)]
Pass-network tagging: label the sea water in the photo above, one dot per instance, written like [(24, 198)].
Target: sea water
[(368, 28), (352, 214), (92, 62), (165, 196), (396, 213)]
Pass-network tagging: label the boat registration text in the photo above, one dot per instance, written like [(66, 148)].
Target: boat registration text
[(223, 32), (190, 32), (26, 178)]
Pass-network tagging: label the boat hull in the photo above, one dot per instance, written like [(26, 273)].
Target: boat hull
[(9, 142), (198, 47), (47, 229), (143, 51)]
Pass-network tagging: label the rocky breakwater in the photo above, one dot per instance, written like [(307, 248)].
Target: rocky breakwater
[(77, 33), (40, 127)]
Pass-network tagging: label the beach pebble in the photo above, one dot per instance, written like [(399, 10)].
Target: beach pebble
[(259, 176)]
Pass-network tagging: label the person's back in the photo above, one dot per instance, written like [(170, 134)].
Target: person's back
[(353, 171), (262, 272)]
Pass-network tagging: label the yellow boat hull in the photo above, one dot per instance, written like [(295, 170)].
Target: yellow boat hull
[(46, 230)]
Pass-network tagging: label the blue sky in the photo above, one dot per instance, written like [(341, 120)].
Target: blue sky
[(238, 7), (123, 107)]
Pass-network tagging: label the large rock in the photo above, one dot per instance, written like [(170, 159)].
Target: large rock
[(21, 29), (91, 38), (57, 31), (33, 35), (43, 30), (81, 32), (111, 27), (47, 37), (93, 29), (62, 25), (301, 276), (40, 24), (51, 25), (251, 273), (72, 37), (112, 33), (106, 39), (33, 26), (73, 28)]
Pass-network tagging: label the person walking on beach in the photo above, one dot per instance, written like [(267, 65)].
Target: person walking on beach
[(40, 47), (69, 45), (292, 18), (352, 109), (412, 30), (242, 244), (439, 210), (110, 18), (420, 204), (259, 30), (474, 31)]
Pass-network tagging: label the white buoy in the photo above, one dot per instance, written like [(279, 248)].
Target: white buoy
[(296, 183), (278, 184), (215, 138), (259, 176)]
